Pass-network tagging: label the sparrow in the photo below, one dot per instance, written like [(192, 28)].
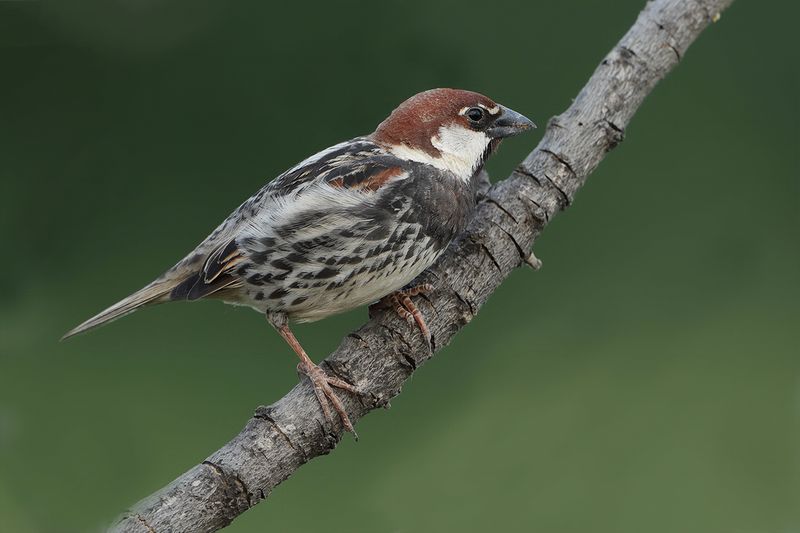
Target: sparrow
[(351, 225)]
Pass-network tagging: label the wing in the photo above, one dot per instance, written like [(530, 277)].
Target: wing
[(339, 204), (354, 161), (217, 272), (338, 189)]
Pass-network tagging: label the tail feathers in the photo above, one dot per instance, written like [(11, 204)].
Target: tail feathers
[(156, 292)]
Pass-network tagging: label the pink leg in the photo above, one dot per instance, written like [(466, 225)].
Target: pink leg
[(321, 381)]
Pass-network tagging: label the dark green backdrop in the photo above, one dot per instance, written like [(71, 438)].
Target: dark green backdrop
[(646, 379)]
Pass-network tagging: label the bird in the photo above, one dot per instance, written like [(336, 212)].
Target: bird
[(352, 225)]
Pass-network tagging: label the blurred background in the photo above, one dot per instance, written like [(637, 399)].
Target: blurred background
[(646, 379)]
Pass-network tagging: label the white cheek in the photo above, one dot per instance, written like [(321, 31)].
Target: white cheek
[(462, 149)]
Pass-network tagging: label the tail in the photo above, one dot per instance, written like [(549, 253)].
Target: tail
[(203, 273), (157, 292)]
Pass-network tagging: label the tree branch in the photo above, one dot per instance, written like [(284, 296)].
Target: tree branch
[(382, 354)]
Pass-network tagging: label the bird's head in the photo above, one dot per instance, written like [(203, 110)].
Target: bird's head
[(451, 129)]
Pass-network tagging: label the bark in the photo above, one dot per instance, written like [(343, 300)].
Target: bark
[(381, 355)]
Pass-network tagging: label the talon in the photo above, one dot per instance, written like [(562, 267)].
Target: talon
[(402, 304), (322, 384)]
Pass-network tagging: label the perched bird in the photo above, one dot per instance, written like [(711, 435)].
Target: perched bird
[(350, 225)]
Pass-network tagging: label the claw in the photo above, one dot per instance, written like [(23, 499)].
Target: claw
[(402, 304), (322, 384)]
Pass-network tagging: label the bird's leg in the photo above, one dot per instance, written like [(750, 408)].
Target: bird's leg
[(400, 301), (320, 381)]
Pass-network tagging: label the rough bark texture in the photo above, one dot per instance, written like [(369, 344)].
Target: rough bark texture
[(382, 354)]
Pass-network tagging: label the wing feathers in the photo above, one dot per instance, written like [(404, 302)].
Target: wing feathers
[(367, 178), (221, 260), (216, 274)]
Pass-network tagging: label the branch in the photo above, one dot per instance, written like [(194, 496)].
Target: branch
[(382, 354)]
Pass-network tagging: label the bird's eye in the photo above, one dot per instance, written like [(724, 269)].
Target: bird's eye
[(474, 114)]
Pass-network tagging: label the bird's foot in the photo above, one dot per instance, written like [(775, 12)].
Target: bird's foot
[(323, 388), (400, 301), (321, 382)]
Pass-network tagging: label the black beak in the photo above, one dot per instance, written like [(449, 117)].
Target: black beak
[(509, 123)]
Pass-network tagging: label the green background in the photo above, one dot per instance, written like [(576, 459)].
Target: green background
[(647, 379)]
